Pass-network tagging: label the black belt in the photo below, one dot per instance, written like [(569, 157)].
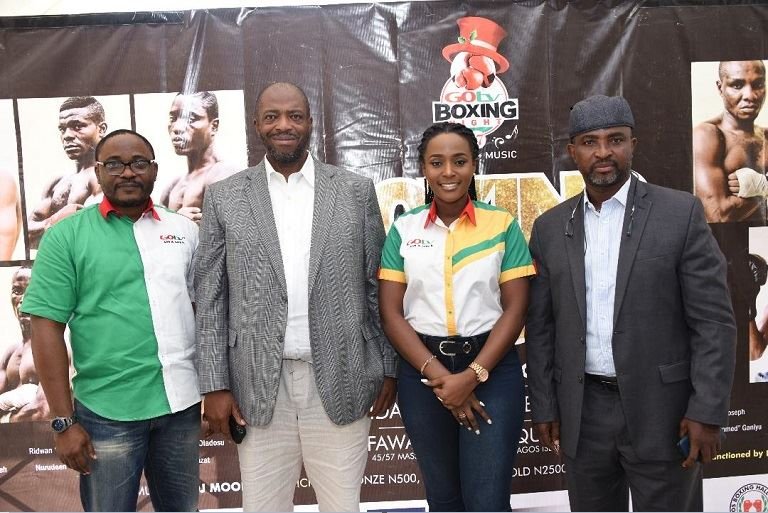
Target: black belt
[(607, 382), (454, 346)]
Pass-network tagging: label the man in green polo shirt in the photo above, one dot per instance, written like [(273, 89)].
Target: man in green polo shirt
[(119, 275)]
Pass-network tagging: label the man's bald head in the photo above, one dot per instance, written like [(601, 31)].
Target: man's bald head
[(288, 86), (725, 68)]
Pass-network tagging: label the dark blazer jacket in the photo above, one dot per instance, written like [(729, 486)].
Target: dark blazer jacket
[(241, 298), (674, 331)]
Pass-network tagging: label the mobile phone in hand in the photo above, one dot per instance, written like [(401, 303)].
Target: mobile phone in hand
[(684, 444), (236, 431)]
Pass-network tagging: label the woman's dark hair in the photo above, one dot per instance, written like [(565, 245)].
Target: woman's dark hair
[(448, 128)]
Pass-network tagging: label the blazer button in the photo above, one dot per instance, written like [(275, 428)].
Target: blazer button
[(582, 340), (581, 379)]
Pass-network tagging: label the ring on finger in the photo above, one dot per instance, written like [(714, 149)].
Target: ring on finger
[(462, 415)]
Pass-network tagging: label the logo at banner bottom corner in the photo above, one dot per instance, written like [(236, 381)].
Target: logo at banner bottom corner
[(750, 497)]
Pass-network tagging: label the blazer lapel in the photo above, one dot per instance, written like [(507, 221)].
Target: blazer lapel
[(322, 216), (574, 245), (635, 215), (257, 191)]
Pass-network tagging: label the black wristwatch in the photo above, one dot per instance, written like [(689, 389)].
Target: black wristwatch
[(61, 424)]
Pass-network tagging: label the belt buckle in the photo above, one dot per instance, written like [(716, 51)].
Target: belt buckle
[(442, 351)]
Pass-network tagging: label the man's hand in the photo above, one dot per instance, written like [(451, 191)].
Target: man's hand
[(386, 397), (549, 434), (74, 449), (193, 213), (704, 440), (453, 390), (747, 183), (217, 407), (66, 211)]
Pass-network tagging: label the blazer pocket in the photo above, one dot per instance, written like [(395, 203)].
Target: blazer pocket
[(557, 374), (232, 340), (652, 254), (674, 372)]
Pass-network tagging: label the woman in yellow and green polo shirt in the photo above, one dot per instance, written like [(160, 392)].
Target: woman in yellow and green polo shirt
[(453, 295)]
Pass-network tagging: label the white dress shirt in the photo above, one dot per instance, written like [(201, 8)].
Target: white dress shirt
[(293, 202), (602, 232)]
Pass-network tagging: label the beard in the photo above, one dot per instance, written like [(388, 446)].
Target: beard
[(287, 157), (146, 189), (616, 176), (128, 203)]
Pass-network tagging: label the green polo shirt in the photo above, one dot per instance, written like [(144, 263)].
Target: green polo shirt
[(89, 274)]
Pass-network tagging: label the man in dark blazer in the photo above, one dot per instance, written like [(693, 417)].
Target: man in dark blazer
[(630, 335), (288, 331)]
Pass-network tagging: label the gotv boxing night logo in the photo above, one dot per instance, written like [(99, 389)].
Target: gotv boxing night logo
[(473, 95), (750, 497)]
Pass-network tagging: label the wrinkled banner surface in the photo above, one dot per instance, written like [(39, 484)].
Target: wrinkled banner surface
[(376, 76)]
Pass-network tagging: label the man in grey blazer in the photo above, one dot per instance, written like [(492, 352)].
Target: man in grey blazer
[(630, 335), (288, 332)]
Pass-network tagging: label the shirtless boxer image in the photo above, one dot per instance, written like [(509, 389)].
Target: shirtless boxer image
[(10, 214), (21, 397), (81, 127), (729, 177), (729, 149), (193, 123)]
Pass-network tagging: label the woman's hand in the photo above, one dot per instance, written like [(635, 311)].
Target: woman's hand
[(471, 414), (453, 390)]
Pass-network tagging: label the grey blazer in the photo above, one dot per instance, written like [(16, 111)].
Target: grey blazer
[(674, 332), (241, 298)]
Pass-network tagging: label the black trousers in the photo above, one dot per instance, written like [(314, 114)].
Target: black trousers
[(606, 467)]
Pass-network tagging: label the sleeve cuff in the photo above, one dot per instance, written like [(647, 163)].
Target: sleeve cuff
[(391, 364)]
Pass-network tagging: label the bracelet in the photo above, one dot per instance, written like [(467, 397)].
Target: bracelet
[(426, 362)]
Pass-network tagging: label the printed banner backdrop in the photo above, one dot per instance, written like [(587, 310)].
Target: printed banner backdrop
[(376, 76)]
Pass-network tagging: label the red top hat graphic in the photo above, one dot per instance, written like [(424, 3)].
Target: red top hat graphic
[(478, 36)]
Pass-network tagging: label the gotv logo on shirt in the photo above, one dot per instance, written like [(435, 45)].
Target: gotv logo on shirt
[(172, 239), (750, 497), (419, 243)]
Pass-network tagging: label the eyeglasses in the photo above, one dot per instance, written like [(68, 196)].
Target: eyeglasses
[(116, 167)]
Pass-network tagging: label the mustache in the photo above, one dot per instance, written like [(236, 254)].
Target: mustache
[(603, 162), (129, 183)]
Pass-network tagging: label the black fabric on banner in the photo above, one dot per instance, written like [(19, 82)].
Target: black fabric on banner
[(376, 76)]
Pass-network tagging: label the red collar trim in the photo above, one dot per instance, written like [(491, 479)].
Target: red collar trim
[(469, 211), (105, 208)]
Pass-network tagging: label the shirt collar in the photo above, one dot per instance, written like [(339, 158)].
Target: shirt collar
[(307, 170), (620, 196), (106, 207), (469, 211)]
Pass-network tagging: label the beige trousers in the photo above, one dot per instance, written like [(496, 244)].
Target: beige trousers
[(333, 456)]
